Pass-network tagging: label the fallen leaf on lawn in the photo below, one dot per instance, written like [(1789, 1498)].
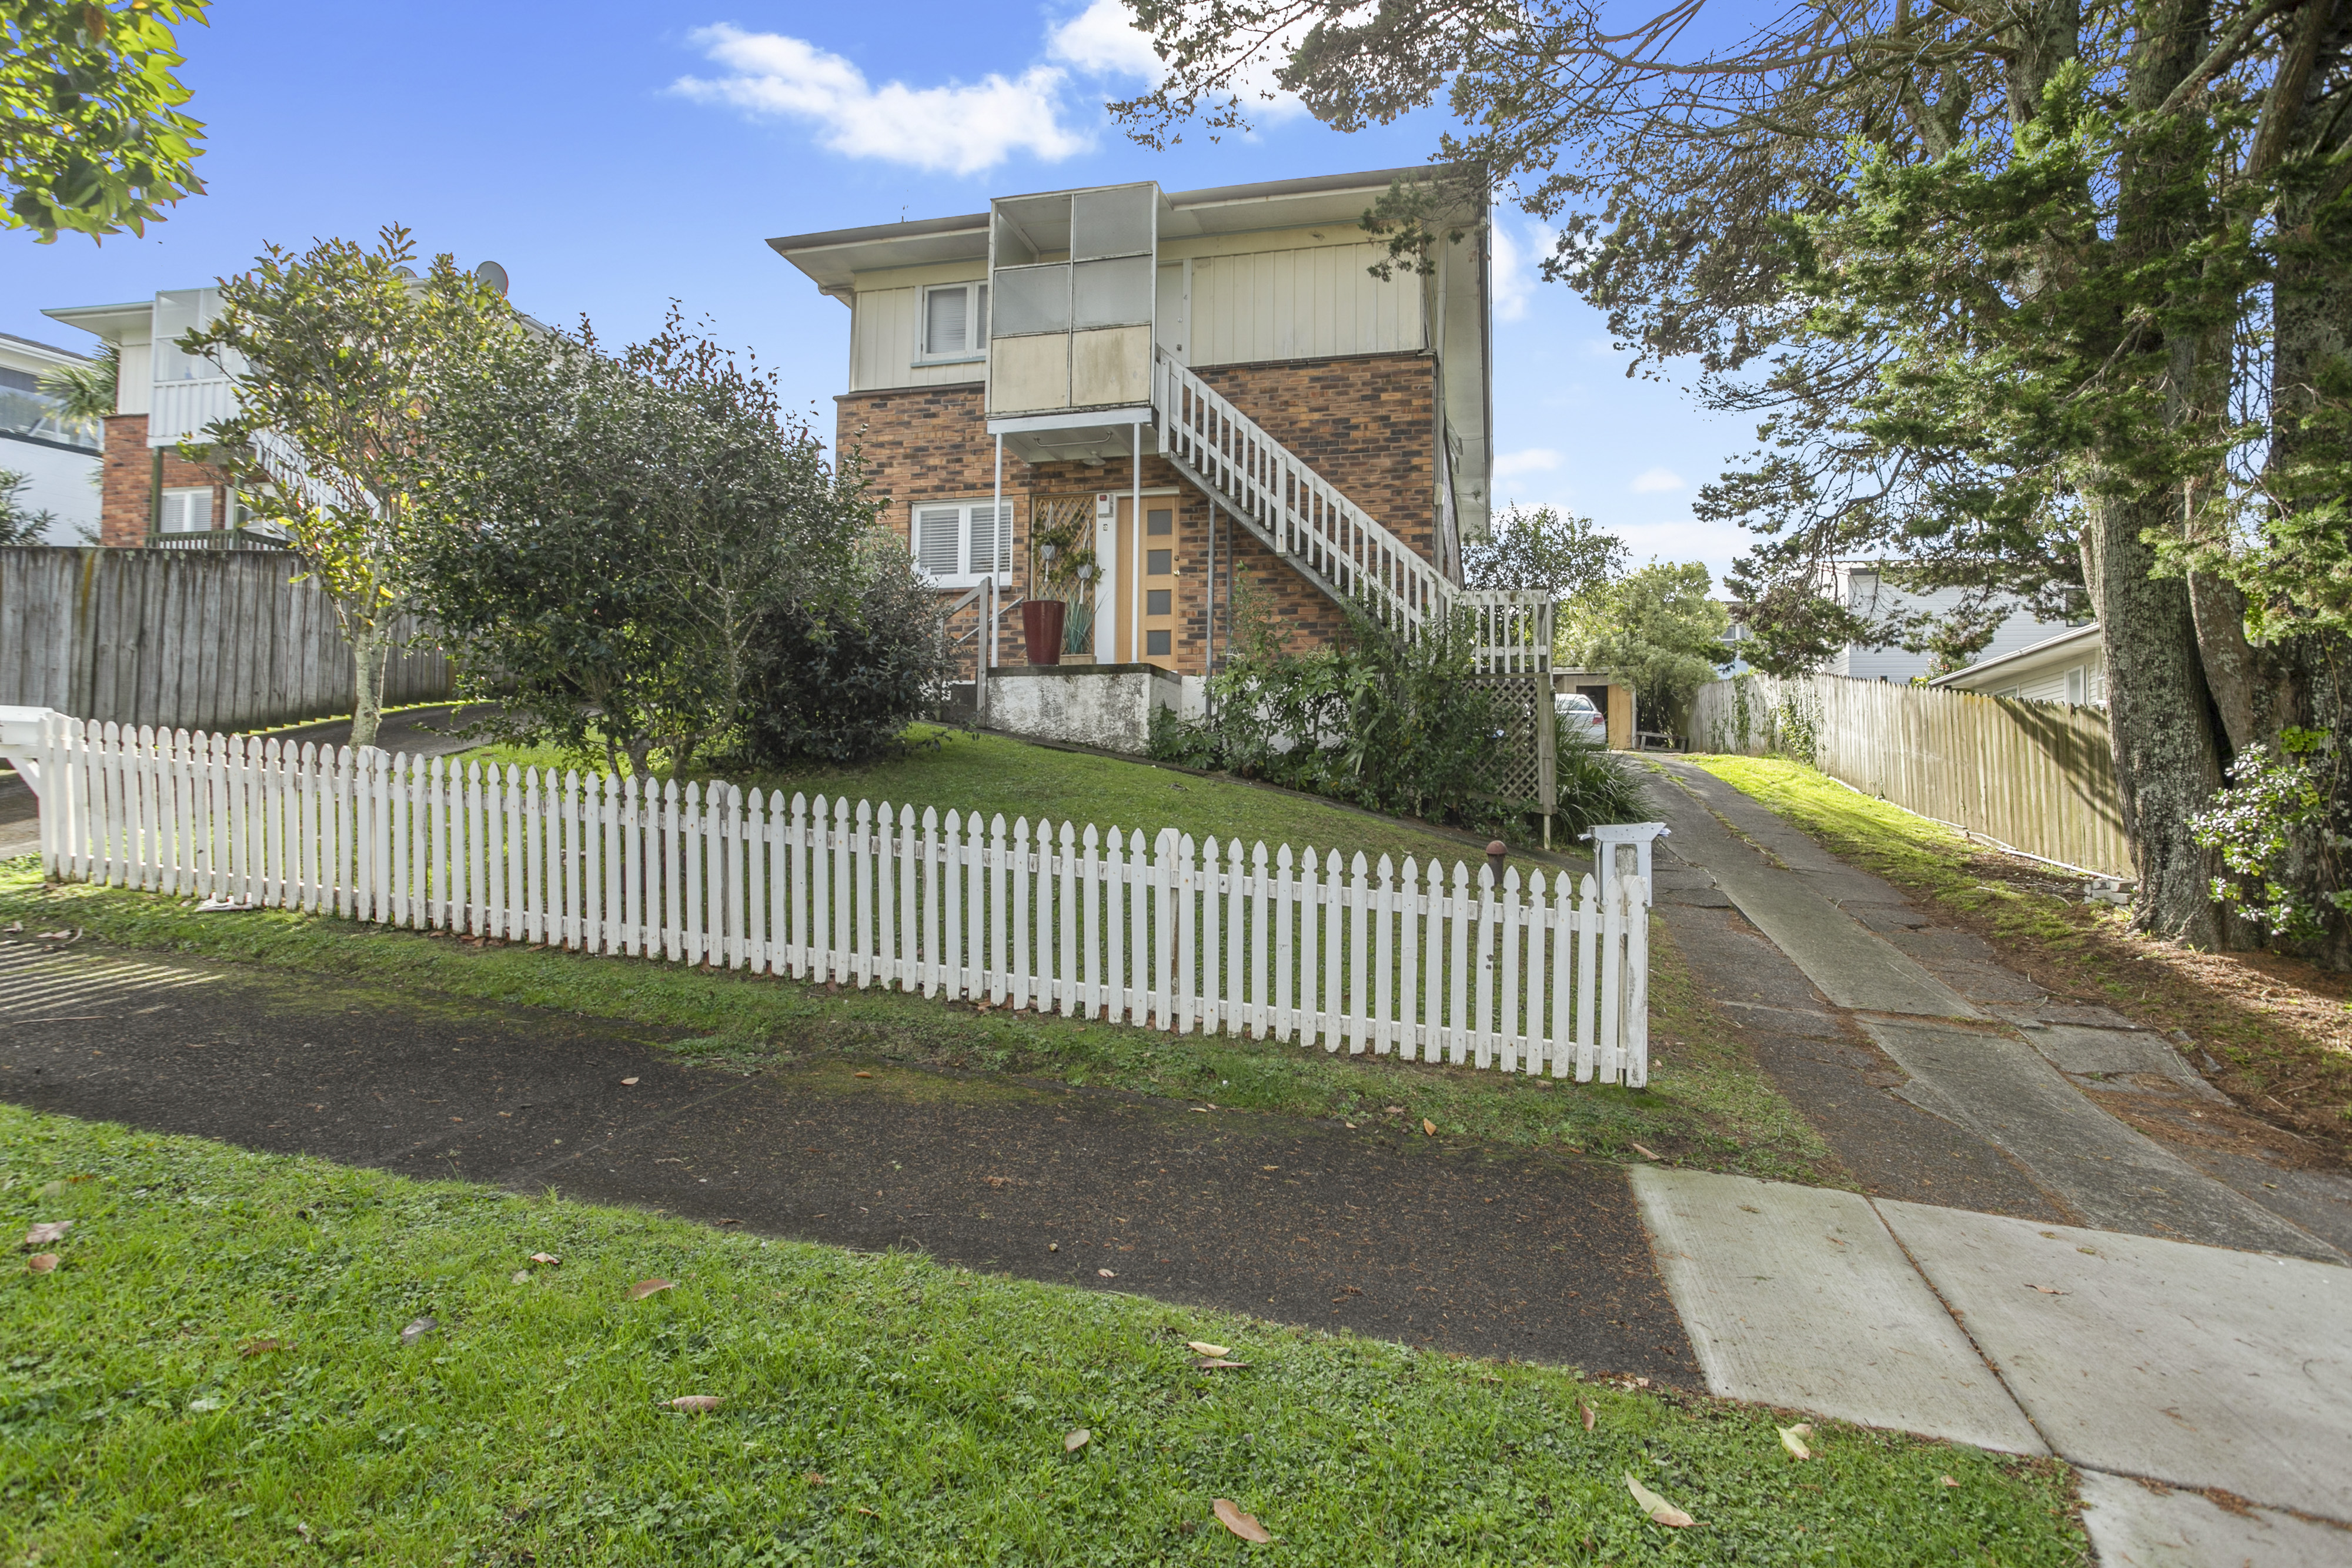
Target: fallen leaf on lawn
[(644, 1288), (1428, 1127), (54, 936), (1106, 1274), (47, 1231), (696, 1402), (1246, 1526), (1203, 1347), (12, 927), (864, 1076), (549, 1259), (1793, 1439), (259, 1347), (628, 1082), (1076, 1440), (1660, 1510), (522, 1276), (1644, 1153), (1946, 1481), (1203, 1109), (867, 1511), (41, 1262), (815, 1480), (418, 1331), (1590, 1420), (1215, 1362), (1394, 1110)]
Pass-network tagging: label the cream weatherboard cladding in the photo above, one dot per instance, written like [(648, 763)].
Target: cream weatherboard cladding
[(1294, 304), (886, 340)]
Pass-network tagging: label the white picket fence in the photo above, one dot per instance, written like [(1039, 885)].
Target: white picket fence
[(1424, 962)]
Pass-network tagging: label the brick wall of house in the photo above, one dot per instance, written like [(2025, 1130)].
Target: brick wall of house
[(1365, 423), (126, 487)]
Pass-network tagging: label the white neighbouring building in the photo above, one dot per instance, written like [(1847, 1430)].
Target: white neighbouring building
[(2071, 667), (1862, 587), (60, 456)]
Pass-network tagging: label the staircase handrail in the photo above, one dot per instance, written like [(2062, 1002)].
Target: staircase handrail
[(1301, 513)]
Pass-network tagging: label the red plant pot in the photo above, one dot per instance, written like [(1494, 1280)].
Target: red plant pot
[(1041, 628)]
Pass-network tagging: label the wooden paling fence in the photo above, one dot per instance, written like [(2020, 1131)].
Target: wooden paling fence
[(1418, 961), (2037, 776)]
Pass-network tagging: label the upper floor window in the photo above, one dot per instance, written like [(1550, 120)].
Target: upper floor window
[(955, 321)]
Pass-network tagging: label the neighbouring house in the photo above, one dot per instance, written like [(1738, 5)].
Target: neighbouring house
[(150, 494), (1210, 390), (59, 457), (1862, 587), (2071, 667)]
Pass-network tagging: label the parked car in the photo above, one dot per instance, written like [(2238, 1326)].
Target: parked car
[(1579, 719)]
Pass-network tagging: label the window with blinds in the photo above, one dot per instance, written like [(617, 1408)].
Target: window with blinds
[(957, 547), (955, 321)]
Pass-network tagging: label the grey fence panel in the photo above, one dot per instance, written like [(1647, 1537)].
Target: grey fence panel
[(2037, 776), (217, 640)]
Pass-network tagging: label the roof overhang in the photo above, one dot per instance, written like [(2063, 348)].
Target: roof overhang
[(107, 322), (2032, 651), (834, 257)]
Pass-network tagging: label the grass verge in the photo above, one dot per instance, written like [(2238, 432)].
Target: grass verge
[(1707, 1104), (2277, 1032), (215, 1371)]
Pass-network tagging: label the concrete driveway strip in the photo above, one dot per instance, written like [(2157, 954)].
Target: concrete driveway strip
[(1797, 1297), (2132, 1525), (1855, 967), (1852, 966), (2109, 1174), (2192, 1365)]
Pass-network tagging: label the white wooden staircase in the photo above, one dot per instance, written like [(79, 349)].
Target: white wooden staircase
[(1325, 537)]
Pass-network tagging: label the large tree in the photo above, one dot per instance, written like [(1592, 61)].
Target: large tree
[(609, 539), (334, 354), (2047, 298), (91, 136)]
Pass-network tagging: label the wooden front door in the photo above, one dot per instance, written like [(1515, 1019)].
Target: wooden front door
[(1149, 579)]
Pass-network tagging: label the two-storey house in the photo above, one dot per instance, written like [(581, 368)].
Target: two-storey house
[(1211, 389)]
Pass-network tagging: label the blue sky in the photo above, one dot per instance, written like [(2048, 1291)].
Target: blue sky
[(614, 157)]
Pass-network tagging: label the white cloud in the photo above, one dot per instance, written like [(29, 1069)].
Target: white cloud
[(1103, 40), (962, 128), (1654, 480), (1517, 257), (1532, 460)]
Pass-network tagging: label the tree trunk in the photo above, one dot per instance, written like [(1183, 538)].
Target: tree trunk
[(371, 649), (2160, 716)]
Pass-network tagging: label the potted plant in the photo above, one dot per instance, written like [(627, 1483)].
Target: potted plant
[(1063, 569)]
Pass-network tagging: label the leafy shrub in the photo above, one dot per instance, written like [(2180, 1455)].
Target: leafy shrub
[(2272, 813), (841, 688), (1593, 785), (1396, 726)]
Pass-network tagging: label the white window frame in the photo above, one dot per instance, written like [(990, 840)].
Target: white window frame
[(975, 321), (922, 517), (166, 523)]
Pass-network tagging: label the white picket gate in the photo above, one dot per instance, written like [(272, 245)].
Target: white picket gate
[(1420, 961)]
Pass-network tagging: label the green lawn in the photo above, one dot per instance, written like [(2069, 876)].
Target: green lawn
[(955, 771), (214, 1374)]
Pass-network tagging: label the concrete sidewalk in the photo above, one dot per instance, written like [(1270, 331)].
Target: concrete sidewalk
[(2205, 1394), (2174, 1323)]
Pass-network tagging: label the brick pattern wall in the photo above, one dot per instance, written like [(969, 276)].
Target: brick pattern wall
[(126, 487), (1366, 423)]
